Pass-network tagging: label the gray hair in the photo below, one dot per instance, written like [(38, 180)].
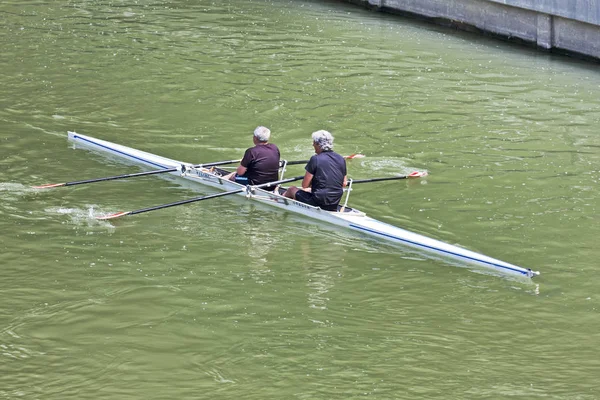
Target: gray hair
[(262, 134), (324, 139)]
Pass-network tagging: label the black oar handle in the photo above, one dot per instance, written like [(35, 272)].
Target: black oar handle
[(194, 199), (350, 157), (159, 171), (183, 167), (415, 174), (162, 171), (212, 196), (295, 162), (110, 178), (378, 179), (275, 183), (178, 203)]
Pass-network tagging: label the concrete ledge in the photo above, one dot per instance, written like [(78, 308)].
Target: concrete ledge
[(579, 10), (570, 27)]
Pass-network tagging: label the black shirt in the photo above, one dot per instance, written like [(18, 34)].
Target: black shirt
[(262, 163), (328, 169)]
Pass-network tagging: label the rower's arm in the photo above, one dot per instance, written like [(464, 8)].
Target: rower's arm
[(307, 180), (345, 180), (241, 170)]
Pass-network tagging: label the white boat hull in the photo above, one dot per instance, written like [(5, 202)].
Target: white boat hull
[(351, 219)]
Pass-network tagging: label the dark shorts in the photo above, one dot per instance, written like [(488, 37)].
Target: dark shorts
[(242, 180), (308, 198)]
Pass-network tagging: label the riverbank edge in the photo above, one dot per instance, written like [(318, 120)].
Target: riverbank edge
[(573, 32)]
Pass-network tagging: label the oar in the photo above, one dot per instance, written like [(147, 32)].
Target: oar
[(210, 196), (110, 178), (161, 171), (416, 174), (350, 157), (412, 175)]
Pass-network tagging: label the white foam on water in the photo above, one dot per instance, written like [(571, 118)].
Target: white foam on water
[(14, 191), (16, 188), (85, 217), (389, 164)]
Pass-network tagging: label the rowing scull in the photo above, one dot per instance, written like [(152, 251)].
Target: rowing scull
[(348, 217)]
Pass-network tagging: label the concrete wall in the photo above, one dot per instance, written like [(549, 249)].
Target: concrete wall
[(579, 10), (569, 26)]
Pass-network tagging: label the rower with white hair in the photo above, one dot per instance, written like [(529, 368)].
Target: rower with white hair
[(260, 163), (325, 177)]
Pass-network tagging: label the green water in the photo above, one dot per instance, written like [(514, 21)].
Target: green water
[(224, 299)]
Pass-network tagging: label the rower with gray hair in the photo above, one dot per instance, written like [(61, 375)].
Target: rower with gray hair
[(260, 163), (262, 133), (325, 177), (324, 139)]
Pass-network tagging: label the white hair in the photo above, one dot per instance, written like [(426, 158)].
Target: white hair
[(324, 139), (262, 134)]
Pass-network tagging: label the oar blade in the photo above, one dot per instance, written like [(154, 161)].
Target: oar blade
[(49, 185), (417, 174), (113, 216), (353, 156)]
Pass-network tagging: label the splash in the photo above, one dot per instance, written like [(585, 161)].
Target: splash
[(84, 217)]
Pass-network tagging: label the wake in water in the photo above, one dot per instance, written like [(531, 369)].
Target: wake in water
[(15, 191), (12, 196), (393, 166)]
